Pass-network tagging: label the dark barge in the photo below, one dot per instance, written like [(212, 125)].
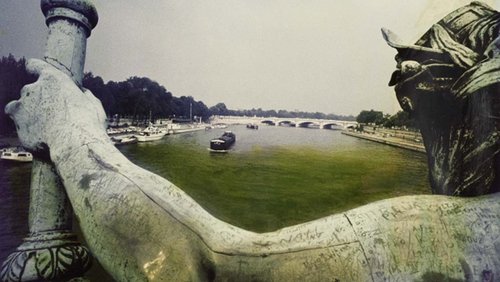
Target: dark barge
[(223, 143)]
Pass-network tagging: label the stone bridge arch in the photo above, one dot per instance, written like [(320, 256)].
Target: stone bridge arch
[(309, 124), (333, 126), (268, 122), (287, 123)]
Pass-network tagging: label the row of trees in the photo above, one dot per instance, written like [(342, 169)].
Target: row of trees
[(222, 110), (140, 97), (136, 97), (400, 119)]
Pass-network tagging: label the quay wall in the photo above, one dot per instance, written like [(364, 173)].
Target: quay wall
[(396, 142)]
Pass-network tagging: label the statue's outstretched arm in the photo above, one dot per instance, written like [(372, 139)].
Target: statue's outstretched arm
[(142, 227)]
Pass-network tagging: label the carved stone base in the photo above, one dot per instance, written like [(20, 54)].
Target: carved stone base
[(49, 256)]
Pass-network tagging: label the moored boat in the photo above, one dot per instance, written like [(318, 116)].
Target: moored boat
[(16, 155), (150, 133), (219, 125), (114, 131), (223, 143), (172, 128), (188, 128), (123, 140)]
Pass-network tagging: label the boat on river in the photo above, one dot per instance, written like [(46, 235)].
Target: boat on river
[(150, 133), (223, 143), (16, 154), (114, 131), (117, 141), (252, 126)]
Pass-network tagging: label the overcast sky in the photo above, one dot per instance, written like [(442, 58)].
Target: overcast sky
[(320, 55)]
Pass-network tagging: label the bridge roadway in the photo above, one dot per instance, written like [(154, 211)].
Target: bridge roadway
[(289, 122)]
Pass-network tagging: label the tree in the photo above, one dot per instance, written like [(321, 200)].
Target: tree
[(400, 119), (220, 109), (13, 76), (370, 116), (97, 86)]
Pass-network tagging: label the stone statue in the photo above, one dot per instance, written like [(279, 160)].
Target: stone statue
[(141, 227), (449, 81)]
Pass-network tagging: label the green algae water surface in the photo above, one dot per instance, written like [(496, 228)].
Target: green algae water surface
[(276, 176)]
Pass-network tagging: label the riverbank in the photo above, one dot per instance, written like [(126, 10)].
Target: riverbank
[(388, 140)]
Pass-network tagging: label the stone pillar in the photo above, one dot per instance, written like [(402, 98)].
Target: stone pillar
[(70, 22), (51, 251)]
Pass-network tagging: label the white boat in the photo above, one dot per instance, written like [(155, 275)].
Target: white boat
[(219, 125), (113, 131), (172, 128), (188, 128), (17, 156), (123, 140), (150, 133)]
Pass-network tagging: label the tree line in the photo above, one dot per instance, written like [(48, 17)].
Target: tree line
[(141, 97), (400, 119), (222, 110), (138, 98)]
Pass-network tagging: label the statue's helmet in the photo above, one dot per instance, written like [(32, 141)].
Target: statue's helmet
[(448, 81), (451, 55)]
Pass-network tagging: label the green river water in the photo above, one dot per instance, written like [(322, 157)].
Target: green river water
[(275, 176)]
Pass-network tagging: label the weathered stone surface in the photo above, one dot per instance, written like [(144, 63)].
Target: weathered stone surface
[(142, 227), (51, 251), (430, 234), (49, 207), (69, 23), (47, 256)]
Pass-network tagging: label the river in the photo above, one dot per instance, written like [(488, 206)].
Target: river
[(273, 177)]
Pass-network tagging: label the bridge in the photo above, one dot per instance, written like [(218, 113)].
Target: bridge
[(287, 122)]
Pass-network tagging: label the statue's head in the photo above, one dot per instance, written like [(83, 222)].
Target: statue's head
[(448, 82)]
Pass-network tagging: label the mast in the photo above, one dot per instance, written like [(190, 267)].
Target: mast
[(191, 111)]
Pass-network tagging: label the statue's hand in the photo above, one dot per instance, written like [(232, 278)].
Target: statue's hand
[(53, 110)]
